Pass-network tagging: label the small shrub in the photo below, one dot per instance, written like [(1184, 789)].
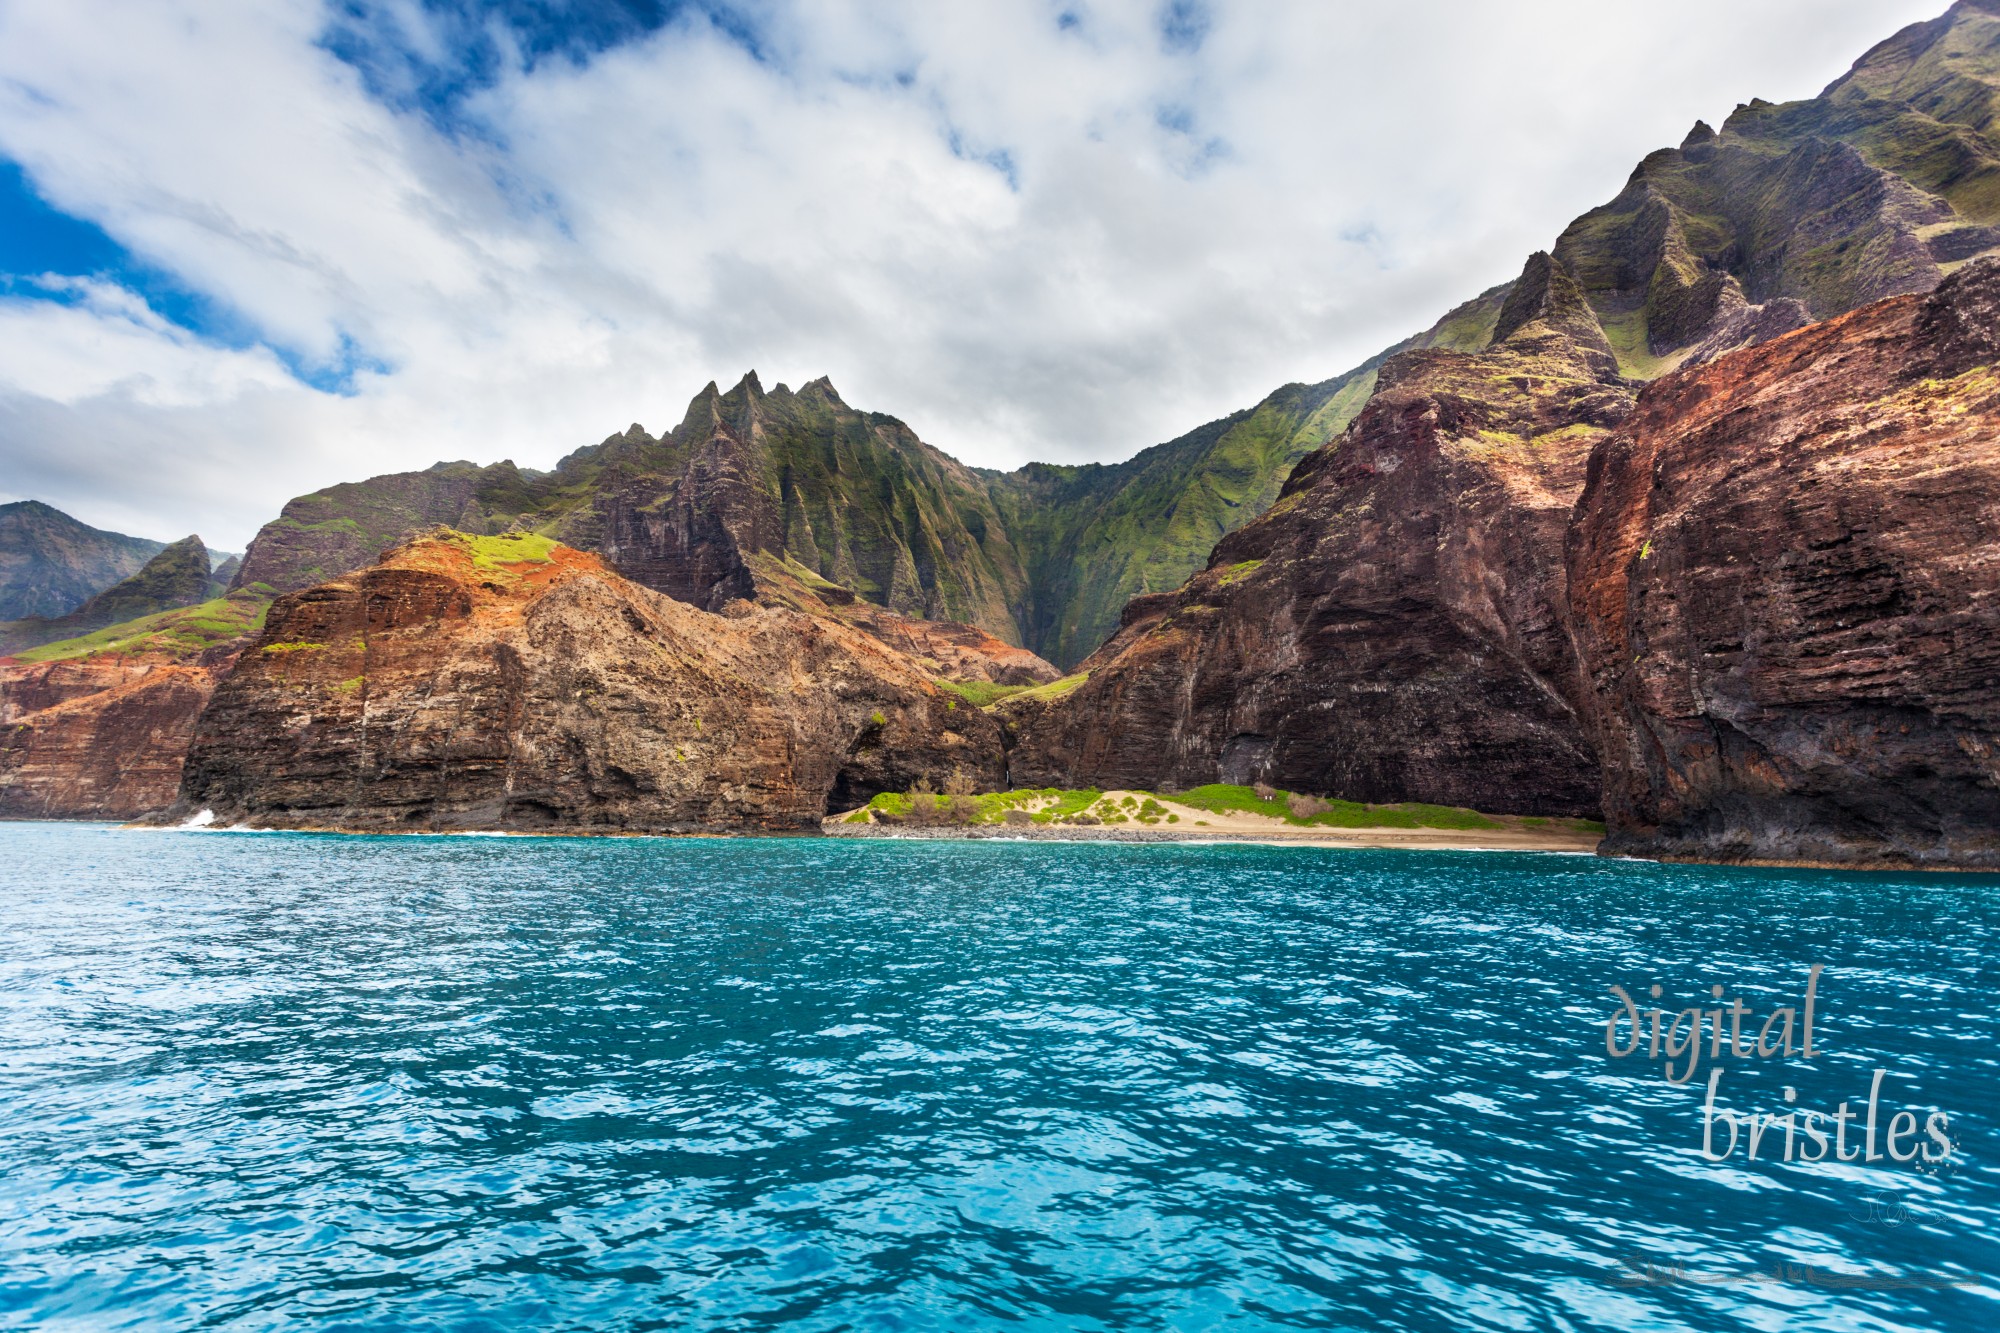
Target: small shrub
[(925, 808), (1305, 807), (1019, 818), (1265, 791)]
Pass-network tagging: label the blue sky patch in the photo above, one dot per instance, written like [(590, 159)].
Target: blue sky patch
[(1184, 26), (38, 240), (471, 43)]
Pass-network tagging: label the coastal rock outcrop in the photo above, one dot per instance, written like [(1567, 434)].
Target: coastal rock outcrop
[(1391, 629), (513, 683), (1784, 576), (96, 727)]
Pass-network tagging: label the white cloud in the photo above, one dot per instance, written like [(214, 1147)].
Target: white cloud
[(1030, 241), (87, 339)]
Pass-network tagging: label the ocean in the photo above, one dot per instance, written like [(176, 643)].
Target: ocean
[(304, 1081)]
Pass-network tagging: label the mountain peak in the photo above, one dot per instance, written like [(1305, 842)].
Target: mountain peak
[(823, 387), (51, 563), (1546, 292)]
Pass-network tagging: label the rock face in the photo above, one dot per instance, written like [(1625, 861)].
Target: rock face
[(96, 739), (1785, 580), (512, 683), (343, 528), (755, 491), (175, 577), (1391, 629), (50, 564)]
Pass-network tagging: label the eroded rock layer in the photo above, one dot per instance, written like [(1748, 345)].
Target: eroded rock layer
[(1785, 578), (98, 739), (512, 683)]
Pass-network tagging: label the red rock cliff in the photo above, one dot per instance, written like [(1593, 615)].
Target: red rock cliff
[(96, 739), (510, 683), (1784, 575)]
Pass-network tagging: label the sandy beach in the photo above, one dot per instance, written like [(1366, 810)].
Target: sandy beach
[(1510, 833)]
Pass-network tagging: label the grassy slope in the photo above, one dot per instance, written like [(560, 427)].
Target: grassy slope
[(181, 634), (1754, 202), (177, 576), (1926, 104)]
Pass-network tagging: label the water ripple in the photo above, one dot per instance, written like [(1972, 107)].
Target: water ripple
[(264, 1081)]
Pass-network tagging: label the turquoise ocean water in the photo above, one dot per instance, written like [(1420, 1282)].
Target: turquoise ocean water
[(284, 1081)]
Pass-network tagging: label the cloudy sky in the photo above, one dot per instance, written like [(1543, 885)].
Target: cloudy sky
[(252, 247)]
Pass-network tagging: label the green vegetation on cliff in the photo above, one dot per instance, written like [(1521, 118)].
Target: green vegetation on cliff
[(183, 634), (177, 576)]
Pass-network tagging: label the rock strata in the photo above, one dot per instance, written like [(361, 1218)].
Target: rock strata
[(98, 739), (512, 683), (1784, 576)]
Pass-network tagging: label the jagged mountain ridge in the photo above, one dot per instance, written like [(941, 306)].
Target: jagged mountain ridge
[(757, 493), (1882, 184)]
